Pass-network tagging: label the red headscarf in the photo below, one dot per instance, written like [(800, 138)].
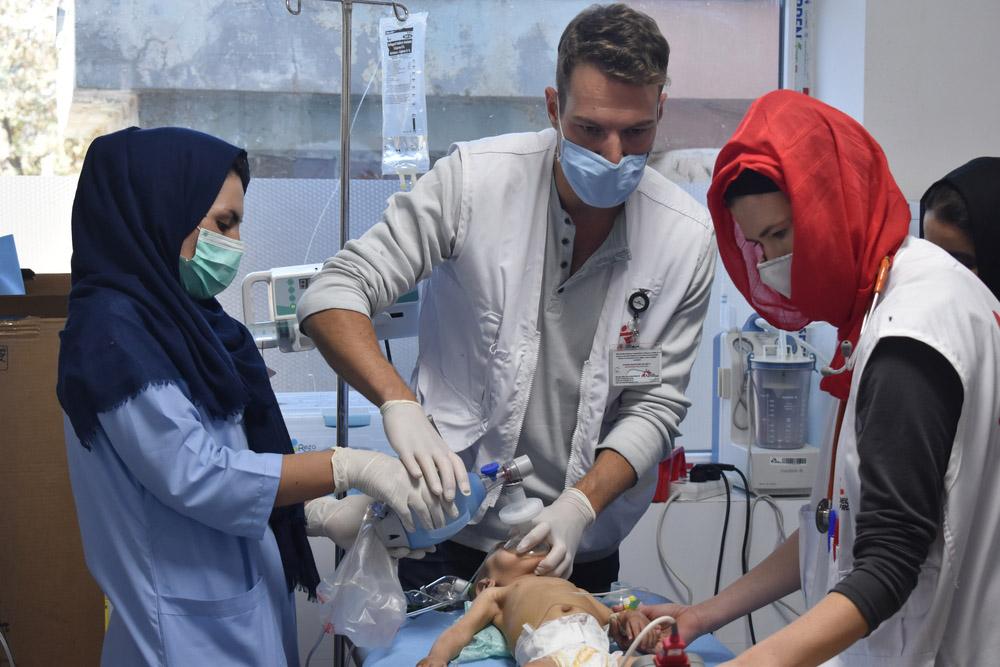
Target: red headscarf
[(847, 214)]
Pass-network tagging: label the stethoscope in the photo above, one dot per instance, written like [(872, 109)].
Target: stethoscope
[(824, 506)]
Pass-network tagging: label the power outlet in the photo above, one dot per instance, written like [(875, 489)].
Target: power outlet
[(699, 490)]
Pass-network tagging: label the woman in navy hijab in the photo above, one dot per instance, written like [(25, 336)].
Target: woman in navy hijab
[(187, 490)]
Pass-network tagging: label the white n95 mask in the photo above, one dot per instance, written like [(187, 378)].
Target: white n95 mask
[(777, 274)]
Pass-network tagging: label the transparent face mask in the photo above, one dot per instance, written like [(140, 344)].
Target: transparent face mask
[(538, 550)]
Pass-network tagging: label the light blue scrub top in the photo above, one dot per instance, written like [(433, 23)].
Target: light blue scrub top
[(173, 511)]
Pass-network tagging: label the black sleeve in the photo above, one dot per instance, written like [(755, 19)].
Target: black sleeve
[(909, 402)]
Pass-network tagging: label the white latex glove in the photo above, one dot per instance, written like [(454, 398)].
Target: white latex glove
[(422, 450), (561, 524), (340, 520), (384, 478)]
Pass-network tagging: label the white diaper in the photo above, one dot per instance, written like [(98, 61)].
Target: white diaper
[(576, 640)]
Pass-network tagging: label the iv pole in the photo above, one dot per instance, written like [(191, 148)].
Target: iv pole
[(347, 7)]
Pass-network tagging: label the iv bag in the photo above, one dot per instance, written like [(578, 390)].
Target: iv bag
[(404, 103)]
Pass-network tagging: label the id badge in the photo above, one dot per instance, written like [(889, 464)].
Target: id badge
[(635, 366)]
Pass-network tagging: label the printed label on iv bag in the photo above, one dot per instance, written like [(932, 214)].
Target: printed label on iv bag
[(404, 104)]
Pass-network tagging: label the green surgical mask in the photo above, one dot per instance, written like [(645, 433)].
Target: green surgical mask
[(214, 265)]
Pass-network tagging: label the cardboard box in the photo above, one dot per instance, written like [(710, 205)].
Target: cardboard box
[(46, 295), (51, 611)]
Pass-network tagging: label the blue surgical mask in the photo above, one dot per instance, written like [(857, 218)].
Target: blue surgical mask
[(214, 265), (596, 181)]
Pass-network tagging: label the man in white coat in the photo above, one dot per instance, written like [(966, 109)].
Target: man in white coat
[(566, 288)]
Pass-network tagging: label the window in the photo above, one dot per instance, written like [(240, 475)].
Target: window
[(255, 75)]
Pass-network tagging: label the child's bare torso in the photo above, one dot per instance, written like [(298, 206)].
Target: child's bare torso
[(534, 600)]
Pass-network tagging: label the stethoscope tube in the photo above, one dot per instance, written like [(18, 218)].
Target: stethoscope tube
[(825, 505)]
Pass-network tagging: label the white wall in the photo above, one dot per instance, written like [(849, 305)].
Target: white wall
[(838, 65), (923, 81), (932, 92)]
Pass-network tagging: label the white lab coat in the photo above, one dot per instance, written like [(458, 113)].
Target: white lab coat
[(484, 238), (478, 325), (947, 619)]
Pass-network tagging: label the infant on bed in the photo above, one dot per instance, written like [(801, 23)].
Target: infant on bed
[(547, 622)]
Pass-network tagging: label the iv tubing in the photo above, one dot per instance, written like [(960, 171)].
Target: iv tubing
[(639, 637), (6, 650)]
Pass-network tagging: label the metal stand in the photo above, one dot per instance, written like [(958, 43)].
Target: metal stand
[(347, 7)]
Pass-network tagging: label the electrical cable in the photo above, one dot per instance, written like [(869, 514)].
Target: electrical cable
[(744, 551), (725, 528), (740, 345), (782, 537), (661, 552), (322, 633), (779, 520), (6, 649), (751, 421)]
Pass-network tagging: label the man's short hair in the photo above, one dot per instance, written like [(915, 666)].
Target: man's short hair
[(621, 42)]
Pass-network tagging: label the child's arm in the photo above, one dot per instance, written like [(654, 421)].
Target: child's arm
[(482, 612), (626, 626)]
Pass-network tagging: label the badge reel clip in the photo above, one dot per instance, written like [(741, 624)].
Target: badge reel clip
[(631, 364), (638, 303)]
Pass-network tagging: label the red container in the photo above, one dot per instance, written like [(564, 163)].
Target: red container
[(670, 470)]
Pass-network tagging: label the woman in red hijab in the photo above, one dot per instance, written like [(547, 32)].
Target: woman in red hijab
[(894, 552)]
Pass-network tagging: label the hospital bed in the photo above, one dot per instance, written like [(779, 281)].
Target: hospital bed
[(417, 635)]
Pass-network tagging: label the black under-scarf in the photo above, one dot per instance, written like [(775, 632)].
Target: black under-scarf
[(131, 324), (977, 182)]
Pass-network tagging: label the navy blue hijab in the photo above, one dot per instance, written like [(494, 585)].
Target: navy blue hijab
[(132, 325)]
